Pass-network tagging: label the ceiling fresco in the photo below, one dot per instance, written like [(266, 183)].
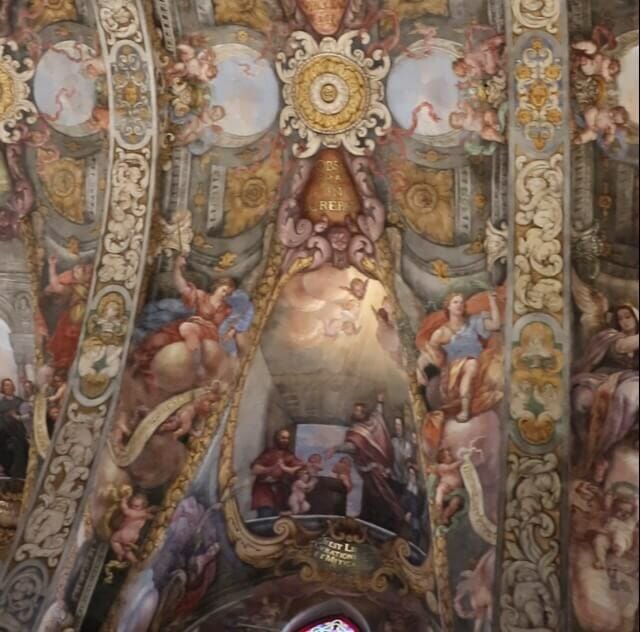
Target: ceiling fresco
[(323, 312)]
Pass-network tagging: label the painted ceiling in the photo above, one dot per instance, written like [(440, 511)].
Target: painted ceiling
[(322, 313)]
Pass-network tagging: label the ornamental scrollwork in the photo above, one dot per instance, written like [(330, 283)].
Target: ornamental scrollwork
[(495, 244), (15, 104), (535, 15), (123, 240), (50, 520), (120, 21), (539, 217), (530, 582)]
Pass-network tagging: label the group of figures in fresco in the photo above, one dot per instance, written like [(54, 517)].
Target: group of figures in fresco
[(392, 497), (191, 344), (404, 477)]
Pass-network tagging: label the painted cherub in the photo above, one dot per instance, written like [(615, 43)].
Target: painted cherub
[(182, 422), (357, 288), (481, 59), (56, 390), (618, 532), (303, 484), (314, 464), (485, 122), (449, 480), (589, 58), (207, 119), (135, 513), (342, 470), (346, 326), (387, 332), (198, 66), (602, 123)]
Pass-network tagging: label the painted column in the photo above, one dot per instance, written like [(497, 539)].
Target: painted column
[(48, 538), (532, 549)]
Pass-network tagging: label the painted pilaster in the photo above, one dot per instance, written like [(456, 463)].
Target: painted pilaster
[(49, 537), (532, 549)]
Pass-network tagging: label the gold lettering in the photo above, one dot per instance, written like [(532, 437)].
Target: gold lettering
[(329, 165)]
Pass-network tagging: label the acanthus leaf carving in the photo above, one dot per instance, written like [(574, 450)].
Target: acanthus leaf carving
[(539, 220)]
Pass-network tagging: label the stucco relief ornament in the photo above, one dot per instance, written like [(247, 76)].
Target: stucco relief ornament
[(120, 21), (333, 93), (495, 243), (15, 105), (535, 15), (538, 261)]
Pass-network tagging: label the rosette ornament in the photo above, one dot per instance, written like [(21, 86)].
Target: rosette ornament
[(333, 93)]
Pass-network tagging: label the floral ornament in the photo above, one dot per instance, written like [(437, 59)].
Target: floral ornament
[(15, 105), (538, 76), (333, 93)]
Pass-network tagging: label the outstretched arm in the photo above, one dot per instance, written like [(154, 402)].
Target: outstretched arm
[(54, 287), (264, 470), (178, 279), (494, 322), (343, 448)]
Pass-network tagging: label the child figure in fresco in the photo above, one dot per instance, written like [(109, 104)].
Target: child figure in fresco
[(618, 532), (314, 464), (480, 59), (603, 124), (484, 122), (303, 484), (342, 470), (135, 511), (449, 480)]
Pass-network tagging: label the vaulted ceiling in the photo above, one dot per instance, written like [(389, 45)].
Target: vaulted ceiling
[(224, 219)]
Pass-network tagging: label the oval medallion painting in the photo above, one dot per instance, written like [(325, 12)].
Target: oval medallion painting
[(422, 90), (246, 89), (66, 88)]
